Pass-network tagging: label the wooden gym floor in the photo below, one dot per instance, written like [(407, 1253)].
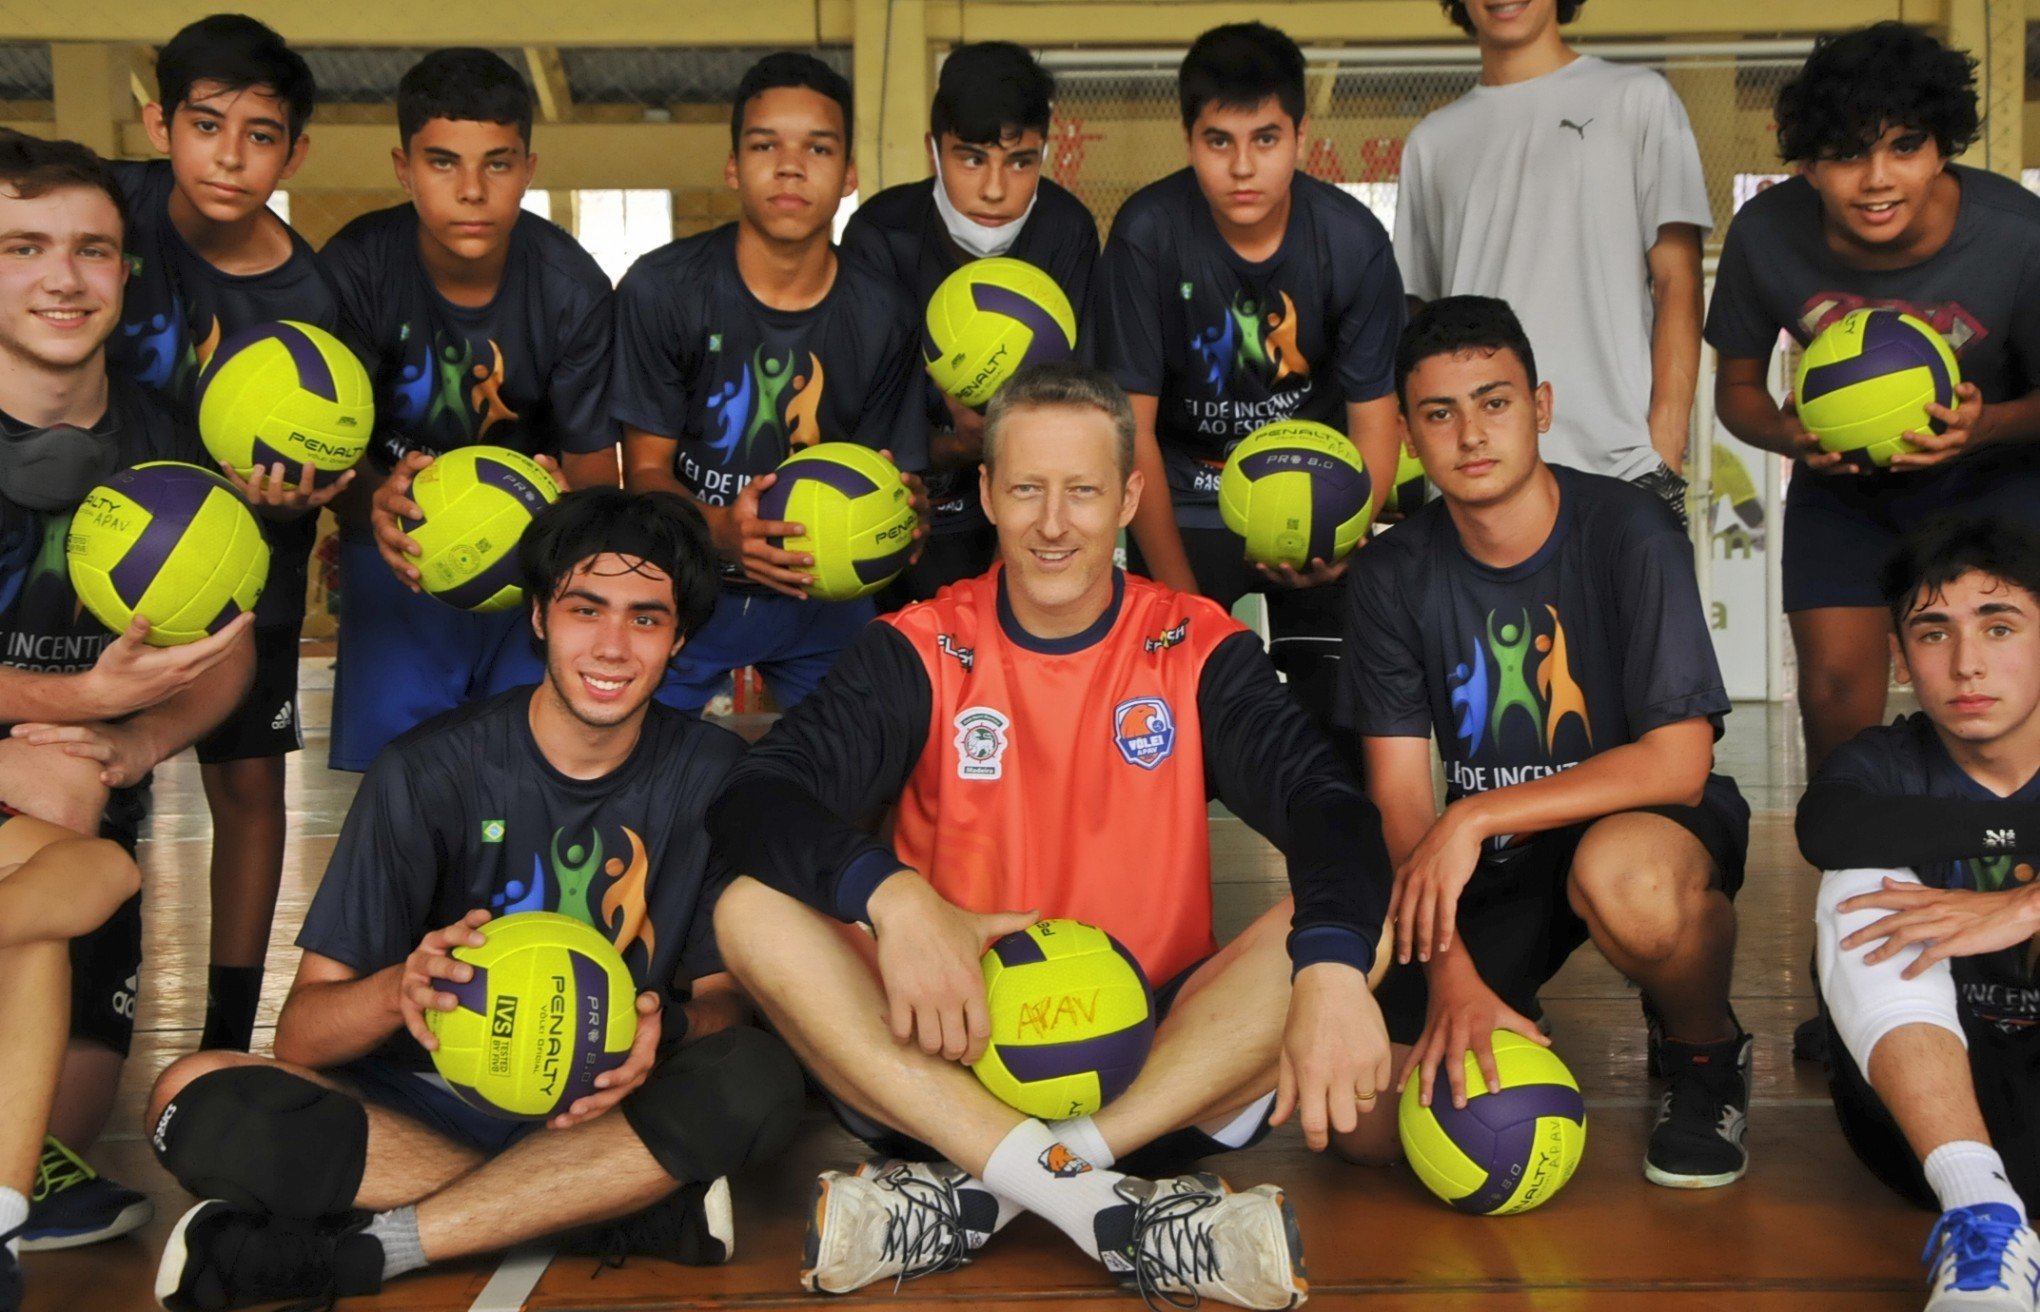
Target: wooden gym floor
[(1807, 1230)]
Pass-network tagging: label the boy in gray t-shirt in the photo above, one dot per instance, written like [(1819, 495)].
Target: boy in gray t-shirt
[(1571, 188)]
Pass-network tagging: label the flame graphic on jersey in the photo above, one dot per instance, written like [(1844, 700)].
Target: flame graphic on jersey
[(485, 398), (1283, 349), (1546, 699), (767, 401), (625, 900)]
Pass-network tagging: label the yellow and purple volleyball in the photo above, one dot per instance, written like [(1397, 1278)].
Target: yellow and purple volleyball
[(1866, 380), (858, 516), (990, 318), (478, 500), (1505, 1151), (286, 392), (1072, 1019), (170, 542), (1407, 494), (1297, 491), (551, 1006)]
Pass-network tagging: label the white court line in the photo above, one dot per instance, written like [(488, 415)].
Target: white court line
[(516, 1276)]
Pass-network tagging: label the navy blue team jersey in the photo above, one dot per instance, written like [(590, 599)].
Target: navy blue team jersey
[(1228, 345), (739, 385), (1906, 758), (1594, 641), (176, 311), (529, 370), (464, 812), (900, 233)]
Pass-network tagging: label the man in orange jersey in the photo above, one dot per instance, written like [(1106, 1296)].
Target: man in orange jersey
[(1052, 732)]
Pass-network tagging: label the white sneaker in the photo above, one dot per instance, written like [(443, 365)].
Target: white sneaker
[(1985, 1259), (890, 1220), (1189, 1238)]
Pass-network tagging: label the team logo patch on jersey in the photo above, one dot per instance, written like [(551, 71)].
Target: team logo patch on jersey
[(1145, 731), (981, 741)]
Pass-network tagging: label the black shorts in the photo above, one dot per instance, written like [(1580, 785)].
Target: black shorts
[(1167, 1155), (1839, 528), (265, 724), (106, 973), (1518, 924), (2006, 1071), (948, 558)]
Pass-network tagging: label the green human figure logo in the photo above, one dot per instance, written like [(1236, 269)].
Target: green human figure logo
[(1246, 317), (772, 376), (1992, 874), (1511, 648), (574, 872), (454, 360)]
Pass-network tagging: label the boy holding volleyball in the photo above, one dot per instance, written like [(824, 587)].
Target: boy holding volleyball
[(1603, 156), (347, 1160), (210, 260), (987, 133), (1880, 216), (479, 323), (1050, 733), (1238, 292), (1929, 917), (1544, 626), (92, 712), (741, 345)]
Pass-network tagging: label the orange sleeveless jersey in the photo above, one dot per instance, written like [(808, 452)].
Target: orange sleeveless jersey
[(1070, 784)]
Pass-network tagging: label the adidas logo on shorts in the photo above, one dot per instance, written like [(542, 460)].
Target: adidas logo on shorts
[(284, 714)]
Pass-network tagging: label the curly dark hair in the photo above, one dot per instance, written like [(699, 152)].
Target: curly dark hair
[(1857, 85), (1456, 11)]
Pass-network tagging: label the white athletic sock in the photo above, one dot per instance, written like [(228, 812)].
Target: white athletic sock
[(402, 1251), (13, 1212), (1965, 1173), (1080, 1135), (1042, 1174)]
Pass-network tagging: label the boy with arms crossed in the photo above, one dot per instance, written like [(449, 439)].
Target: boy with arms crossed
[(1607, 275), (1929, 918), (212, 260), (92, 712), (1238, 292), (738, 346), (479, 323), (1544, 625), (987, 131), (985, 714), (346, 1160)]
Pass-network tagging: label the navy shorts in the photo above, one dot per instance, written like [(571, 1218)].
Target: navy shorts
[(265, 724), (1518, 924), (1165, 1156), (424, 1097), (792, 642), (1840, 528)]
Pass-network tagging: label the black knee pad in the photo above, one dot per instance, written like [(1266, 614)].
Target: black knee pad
[(712, 1107), (263, 1138)]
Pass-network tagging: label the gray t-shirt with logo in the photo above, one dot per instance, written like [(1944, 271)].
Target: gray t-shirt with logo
[(1548, 194)]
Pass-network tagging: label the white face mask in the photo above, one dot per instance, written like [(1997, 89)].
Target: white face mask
[(977, 240)]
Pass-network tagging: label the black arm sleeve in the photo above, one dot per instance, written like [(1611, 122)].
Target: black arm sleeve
[(1266, 760), (1841, 826), (787, 816)]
